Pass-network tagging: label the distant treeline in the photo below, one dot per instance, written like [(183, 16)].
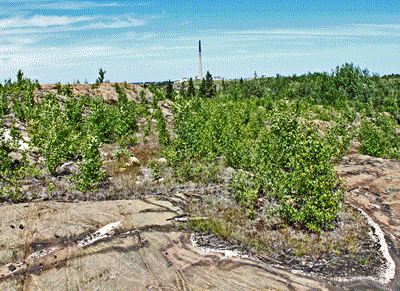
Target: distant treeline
[(347, 85)]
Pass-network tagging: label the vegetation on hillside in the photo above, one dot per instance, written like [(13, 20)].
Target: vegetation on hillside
[(263, 129), (269, 131), (67, 128)]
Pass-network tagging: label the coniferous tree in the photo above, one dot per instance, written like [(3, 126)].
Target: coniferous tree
[(100, 79), (202, 91), (20, 77), (209, 86), (191, 91), (169, 91), (182, 90)]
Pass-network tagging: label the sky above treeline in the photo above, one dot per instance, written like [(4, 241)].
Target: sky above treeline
[(138, 41)]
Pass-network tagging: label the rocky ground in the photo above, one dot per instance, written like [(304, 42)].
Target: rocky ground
[(104, 90), (148, 252), (373, 185), (151, 249), (39, 250), (159, 217)]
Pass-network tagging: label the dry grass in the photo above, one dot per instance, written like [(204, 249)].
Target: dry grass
[(126, 182), (270, 235), (147, 151)]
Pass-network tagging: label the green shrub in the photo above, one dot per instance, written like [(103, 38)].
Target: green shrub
[(245, 188), (163, 134), (156, 169), (128, 140), (102, 121), (66, 90), (379, 138), (126, 118), (277, 156), (91, 163), (6, 146), (61, 144), (74, 110), (122, 155), (122, 99), (338, 137), (4, 104)]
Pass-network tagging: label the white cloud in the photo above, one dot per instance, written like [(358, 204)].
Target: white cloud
[(22, 5), (17, 40), (47, 57), (36, 43), (116, 22), (41, 21), (355, 30), (40, 24), (70, 5), (383, 26), (132, 35)]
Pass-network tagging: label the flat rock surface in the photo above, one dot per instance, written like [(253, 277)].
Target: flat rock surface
[(39, 243), (145, 253), (373, 185)]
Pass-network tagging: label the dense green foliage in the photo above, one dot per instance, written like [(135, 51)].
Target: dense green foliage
[(347, 85), (169, 91), (379, 137), (277, 155), (65, 127), (162, 129), (262, 128), (6, 146), (281, 135), (90, 164)]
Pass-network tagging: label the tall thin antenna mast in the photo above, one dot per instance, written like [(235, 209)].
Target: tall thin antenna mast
[(201, 70)]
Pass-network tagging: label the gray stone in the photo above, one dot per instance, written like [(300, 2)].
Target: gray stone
[(15, 156), (67, 169), (133, 161), (147, 175), (227, 174)]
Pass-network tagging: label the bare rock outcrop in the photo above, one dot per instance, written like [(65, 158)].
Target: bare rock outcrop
[(55, 246), (105, 90), (373, 184)]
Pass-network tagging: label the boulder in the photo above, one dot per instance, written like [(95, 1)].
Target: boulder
[(67, 169), (133, 161), (15, 156), (227, 174)]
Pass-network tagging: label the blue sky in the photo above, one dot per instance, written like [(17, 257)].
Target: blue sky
[(138, 41)]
